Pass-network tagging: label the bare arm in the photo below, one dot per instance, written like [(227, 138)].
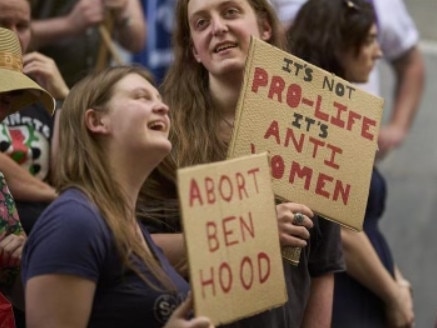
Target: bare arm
[(173, 246), (410, 79), (364, 265), (318, 312), (86, 13), (58, 301), (130, 26), (23, 185)]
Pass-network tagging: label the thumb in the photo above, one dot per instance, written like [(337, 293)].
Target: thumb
[(183, 310)]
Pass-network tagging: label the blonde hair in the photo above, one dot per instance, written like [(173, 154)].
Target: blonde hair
[(195, 131), (81, 163)]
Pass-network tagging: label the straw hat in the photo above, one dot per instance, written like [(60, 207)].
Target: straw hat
[(13, 79)]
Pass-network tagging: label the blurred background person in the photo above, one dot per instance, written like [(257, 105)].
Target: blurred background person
[(344, 41), (157, 55), (16, 91), (70, 32), (399, 40)]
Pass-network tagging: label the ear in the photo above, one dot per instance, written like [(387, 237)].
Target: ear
[(265, 29), (195, 54), (96, 122)]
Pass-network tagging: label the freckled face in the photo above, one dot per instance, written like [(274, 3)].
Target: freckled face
[(220, 32), (358, 66), (138, 119)]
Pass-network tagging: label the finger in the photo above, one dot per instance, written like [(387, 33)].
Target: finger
[(294, 207), (299, 219), (200, 322), (289, 240)]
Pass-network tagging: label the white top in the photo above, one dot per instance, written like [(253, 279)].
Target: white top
[(397, 31)]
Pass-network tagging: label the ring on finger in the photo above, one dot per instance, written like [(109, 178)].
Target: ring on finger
[(298, 218)]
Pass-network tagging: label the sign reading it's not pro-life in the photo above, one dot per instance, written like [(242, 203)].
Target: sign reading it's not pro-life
[(231, 236), (320, 131)]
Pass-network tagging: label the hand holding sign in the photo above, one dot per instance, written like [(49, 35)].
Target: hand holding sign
[(291, 233), (179, 317), (320, 132)]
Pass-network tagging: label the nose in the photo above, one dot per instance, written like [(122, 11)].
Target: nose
[(161, 108), (378, 51), (218, 25)]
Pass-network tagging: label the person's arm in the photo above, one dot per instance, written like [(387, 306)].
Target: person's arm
[(409, 71), (318, 311), (173, 246), (130, 26), (58, 301), (364, 265), (23, 185), (11, 249), (85, 13)]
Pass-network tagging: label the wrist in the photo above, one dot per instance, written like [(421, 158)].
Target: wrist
[(124, 22)]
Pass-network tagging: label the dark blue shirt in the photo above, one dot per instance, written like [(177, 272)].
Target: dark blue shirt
[(72, 238)]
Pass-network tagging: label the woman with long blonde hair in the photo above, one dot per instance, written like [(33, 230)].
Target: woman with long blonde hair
[(88, 261)]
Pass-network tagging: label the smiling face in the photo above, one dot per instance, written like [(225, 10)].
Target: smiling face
[(137, 119), (357, 66), (220, 33)]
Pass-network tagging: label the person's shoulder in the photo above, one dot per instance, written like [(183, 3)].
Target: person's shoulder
[(391, 12), (72, 208)]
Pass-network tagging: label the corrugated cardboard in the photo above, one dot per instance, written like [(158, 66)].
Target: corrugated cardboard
[(231, 235), (320, 131)]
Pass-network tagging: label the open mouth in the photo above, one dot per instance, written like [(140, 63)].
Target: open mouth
[(157, 126), (224, 46)]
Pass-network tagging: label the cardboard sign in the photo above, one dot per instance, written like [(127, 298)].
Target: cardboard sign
[(231, 235), (320, 131)]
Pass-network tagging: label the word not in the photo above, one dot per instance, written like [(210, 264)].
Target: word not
[(340, 88)]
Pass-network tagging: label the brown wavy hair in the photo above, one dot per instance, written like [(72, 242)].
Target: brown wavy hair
[(81, 163), (323, 29), (194, 133)]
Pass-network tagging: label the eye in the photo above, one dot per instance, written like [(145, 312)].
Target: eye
[(231, 12), (142, 96), (370, 40), (200, 23)]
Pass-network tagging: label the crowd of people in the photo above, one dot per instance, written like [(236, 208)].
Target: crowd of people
[(91, 231)]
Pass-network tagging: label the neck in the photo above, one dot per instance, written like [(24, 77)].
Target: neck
[(225, 93), (130, 175)]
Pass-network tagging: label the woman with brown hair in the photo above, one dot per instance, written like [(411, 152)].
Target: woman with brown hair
[(211, 43), (88, 262)]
